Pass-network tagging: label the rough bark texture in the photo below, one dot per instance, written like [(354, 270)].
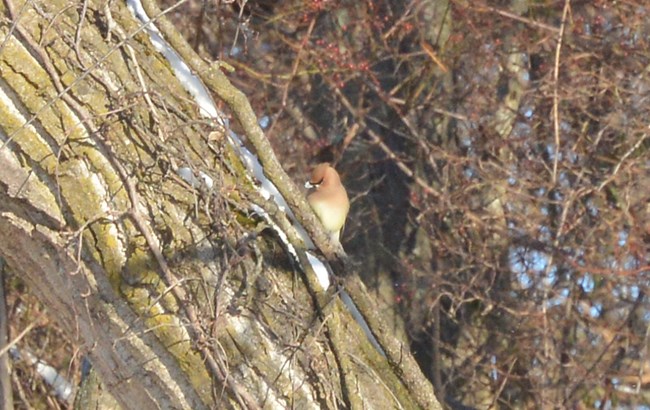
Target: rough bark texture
[(176, 299), (6, 399)]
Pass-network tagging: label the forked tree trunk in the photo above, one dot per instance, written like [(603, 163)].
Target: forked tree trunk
[(176, 300)]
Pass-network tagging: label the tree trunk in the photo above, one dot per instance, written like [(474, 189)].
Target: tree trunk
[(176, 299)]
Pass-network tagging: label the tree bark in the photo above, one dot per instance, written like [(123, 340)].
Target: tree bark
[(177, 293)]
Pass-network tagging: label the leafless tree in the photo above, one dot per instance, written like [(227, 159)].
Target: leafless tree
[(175, 290), (496, 154)]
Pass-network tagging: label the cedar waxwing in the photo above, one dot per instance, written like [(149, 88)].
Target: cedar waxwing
[(329, 199)]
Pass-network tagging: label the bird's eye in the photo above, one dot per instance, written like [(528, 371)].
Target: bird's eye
[(312, 185)]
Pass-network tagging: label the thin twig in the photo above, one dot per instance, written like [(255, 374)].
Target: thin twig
[(556, 74), (620, 162), (402, 166), (521, 19), (16, 339)]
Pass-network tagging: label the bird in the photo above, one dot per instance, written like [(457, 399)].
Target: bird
[(328, 199)]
